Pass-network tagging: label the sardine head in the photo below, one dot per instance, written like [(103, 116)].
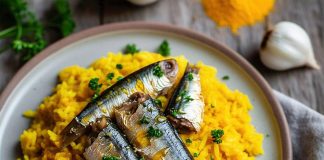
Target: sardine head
[(170, 68)]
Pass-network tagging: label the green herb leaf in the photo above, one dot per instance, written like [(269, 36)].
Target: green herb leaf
[(144, 120), (190, 76), (110, 158), (119, 78), (95, 86), (174, 112), (164, 49), (131, 49), (157, 71), (110, 76), (26, 32), (196, 154), (188, 140), (182, 93), (158, 102), (63, 19), (119, 66), (225, 77), (217, 135), (187, 99), (152, 132)]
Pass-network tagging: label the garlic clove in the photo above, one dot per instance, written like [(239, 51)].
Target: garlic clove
[(142, 2), (287, 46)]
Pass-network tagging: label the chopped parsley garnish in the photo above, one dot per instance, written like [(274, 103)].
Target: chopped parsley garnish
[(110, 76), (119, 66), (190, 76), (225, 77), (95, 96), (131, 49), (95, 86), (188, 140), (196, 154), (211, 157), (174, 112), (119, 78), (142, 158), (187, 99), (158, 102), (164, 49), (267, 135), (157, 71), (110, 158), (217, 135), (184, 97), (182, 93), (152, 132), (144, 120)]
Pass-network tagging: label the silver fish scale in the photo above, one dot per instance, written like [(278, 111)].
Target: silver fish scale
[(120, 142), (170, 139), (113, 99), (154, 85), (110, 142)]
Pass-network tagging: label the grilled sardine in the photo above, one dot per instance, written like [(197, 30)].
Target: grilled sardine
[(154, 79), (151, 134), (186, 106)]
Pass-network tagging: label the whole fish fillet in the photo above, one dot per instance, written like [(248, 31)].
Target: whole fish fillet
[(154, 79), (152, 136)]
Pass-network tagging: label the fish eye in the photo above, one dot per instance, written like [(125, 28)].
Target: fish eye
[(169, 65)]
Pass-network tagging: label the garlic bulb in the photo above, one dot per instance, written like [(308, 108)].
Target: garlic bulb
[(287, 46), (142, 2)]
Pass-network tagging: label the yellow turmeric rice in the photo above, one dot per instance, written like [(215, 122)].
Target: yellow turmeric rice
[(224, 109)]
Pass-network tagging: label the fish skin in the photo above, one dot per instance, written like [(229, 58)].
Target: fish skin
[(118, 93), (169, 143), (189, 117), (110, 142)]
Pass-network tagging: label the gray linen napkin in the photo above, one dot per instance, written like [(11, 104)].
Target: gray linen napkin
[(306, 129)]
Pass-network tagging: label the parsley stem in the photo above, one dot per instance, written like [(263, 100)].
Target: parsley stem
[(7, 32), (19, 30)]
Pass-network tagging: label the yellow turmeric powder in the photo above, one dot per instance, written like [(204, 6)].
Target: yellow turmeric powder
[(237, 13)]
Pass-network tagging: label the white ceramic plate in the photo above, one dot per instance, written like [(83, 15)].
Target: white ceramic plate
[(37, 78)]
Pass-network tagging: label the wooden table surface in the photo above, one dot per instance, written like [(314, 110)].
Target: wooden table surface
[(303, 84)]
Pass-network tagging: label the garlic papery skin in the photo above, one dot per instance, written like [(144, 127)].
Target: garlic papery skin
[(142, 2), (287, 46)]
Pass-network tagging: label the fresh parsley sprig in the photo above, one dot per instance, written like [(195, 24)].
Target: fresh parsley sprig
[(63, 19), (164, 49), (154, 132), (95, 86), (131, 49), (24, 32)]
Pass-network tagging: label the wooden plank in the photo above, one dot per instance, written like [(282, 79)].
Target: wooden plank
[(303, 84)]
